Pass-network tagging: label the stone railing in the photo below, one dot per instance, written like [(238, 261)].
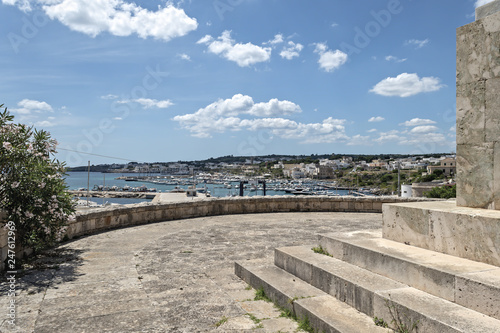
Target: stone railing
[(101, 219), (108, 218)]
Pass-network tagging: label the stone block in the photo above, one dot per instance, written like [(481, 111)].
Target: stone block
[(496, 176), (480, 291), (409, 226), (475, 183), (472, 61), (487, 10), (471, 105), (492, 110), (367, 206), (468, 233)]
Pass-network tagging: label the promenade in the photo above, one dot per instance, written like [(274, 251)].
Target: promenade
[(175, 276)]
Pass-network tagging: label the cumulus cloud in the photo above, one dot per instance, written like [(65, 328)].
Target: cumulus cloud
[(395, 59), (44, 123), (148, 103), (417, 122), (278, 39), (28, 106), (359, 140), (291, 50), (184, 56), (417, 43), (241, 113), (376, 119), (480, 3), (424, 129), (406, 85), (391, 136), (243, 54), (330, 60), (116, 17), (110, 96)]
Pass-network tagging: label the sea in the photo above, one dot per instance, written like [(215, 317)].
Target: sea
[(77, 180)]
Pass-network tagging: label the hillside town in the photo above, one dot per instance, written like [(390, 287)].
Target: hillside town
[(383, 175)]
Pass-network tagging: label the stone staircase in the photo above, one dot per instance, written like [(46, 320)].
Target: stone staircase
[(363, 276)]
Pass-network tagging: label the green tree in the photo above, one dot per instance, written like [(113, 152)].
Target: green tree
[(444, 192), (32, 187)]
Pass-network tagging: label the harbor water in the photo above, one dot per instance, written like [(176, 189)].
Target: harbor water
[(78, 180)]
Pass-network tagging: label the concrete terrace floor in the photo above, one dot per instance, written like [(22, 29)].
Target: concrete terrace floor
[(175, 276)]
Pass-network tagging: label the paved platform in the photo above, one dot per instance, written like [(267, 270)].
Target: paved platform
[(174, 276)]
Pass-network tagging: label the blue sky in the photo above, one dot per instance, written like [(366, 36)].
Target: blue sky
[(166, 81)]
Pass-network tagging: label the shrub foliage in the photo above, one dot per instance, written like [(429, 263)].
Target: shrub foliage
[(32, 188)]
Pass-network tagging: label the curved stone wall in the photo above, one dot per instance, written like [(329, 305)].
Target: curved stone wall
[(102, 219), (107, 218)]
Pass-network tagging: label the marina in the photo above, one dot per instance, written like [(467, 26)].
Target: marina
[(145, 187)]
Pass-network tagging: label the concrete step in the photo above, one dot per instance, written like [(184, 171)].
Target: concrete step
[(325, 313), (348, 283), (375, 295), (469, 283)]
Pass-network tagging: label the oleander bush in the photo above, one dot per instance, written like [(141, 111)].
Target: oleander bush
[(33, 191)]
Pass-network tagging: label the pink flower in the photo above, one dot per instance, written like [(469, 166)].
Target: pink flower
[(7, 145)]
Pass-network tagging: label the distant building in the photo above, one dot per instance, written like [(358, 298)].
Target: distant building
[(325, 172), (447, 165)]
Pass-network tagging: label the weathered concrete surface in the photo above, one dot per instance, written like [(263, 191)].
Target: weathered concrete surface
[(174, 276), (478, 104), (469, 233), (487, 9)]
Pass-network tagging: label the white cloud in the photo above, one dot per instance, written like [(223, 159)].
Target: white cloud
[(44, 123), (110, 96), (480, 3), (24, 5), (243, 54), (184, 56), (372, 130), (241, 113), (278, 39), (330, 60), (148, 103), (453, 129), (28, 106), (376, 119), (118, 118), (391, 136), (417, 43), (359, 140), (395, 59), (424, 129), (291, 50), (334, 25), (405, 85), (417, 122), (117, 17), (417, 140)]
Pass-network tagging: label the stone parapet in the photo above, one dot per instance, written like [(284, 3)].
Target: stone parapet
[(102, 219), (107, 218), (469, 233)]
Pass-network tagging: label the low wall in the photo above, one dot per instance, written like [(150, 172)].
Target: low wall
[(107, 218), (101, 219)]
